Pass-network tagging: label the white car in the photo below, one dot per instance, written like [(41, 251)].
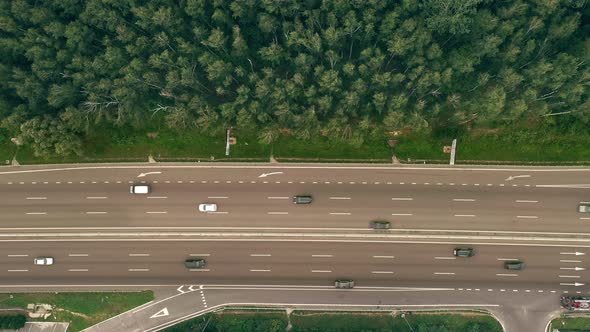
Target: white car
[(208, 207), (43, 261), (141, 189), (584, 207)]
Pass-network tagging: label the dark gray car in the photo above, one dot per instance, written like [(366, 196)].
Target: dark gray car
[(302, 199), (514, 265), (344, 283), (464, 252), (195, 263), (380, 224)]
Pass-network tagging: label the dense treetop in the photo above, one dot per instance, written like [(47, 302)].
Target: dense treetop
[(343, 68)]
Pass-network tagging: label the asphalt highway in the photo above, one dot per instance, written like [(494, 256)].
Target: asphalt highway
[(74, 200), (548, 270), (435, 200)]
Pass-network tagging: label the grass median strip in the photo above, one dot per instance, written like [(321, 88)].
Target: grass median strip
[(571, 324), (81, 310)]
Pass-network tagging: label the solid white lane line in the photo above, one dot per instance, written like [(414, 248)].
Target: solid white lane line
[(402, 214), (138, 270), (321, 271), (383, 256), (18, 255), (564, 276), (157, 197), (259, 270), (402, 199), (139, 255), (340, 198), (197, 255), (78, 270), (277, 213), (527, 217), (36, 197), (525, 201), (217, 197), (445, 257), (18, 270), (96, 197), (507, 274), (78, 255), (322, 256), (569, 261), (96, 212), (465, 215), (507, 259), (260, 255), (277, 197), (444, 273), (199, 270), (340, 213), (156, 212), (36, 213), (382, 272), (463, 199)]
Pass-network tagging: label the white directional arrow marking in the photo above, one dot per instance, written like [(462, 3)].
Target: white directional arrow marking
[(510, 178), (148, 173), (161, 313), (577, 253), (180, 289), (577, 284), (263, 175), (573, 268)]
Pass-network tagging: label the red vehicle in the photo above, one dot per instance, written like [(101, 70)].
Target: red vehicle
[(575, 303)]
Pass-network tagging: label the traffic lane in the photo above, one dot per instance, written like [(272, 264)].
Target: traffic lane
[(298, 172)]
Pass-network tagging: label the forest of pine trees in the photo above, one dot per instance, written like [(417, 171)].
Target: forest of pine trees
[(341, 68)]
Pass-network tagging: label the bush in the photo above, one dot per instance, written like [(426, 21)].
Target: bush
[(12, 322)]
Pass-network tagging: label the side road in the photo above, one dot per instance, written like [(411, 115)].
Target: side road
[(524, 312)]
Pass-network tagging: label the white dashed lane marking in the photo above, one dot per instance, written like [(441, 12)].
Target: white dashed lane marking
[(463, 199), (36, 197), (402, 199)]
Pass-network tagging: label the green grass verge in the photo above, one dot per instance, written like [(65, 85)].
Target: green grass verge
[(377, 322), (81, 310), (234, 321), (308, 321), (112, 144), (571, 324)]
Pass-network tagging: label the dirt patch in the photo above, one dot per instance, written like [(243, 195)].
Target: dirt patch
[(478, 132), (74, 313)]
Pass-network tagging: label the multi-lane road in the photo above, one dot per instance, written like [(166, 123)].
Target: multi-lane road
[(100, 234)]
